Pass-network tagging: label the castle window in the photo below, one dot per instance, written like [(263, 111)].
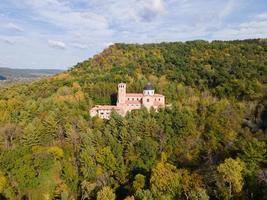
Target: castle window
[(133, 99), (147, 100), (159, 99), (128, 99)]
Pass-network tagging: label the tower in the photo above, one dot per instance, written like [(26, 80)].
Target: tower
[(148, 99), (121, 94), (148, 90)]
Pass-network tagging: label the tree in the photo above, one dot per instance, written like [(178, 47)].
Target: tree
[(147, 151), (192, 186), (3, 182), (130, 198), (165, 181), (230, 176), (105, 193), (8, 134), (144, 195), (87, 189), (253, 154), (139, 182)]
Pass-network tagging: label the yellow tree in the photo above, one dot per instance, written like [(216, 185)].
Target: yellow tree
[(230, 176), (192, 186), (106, 193), (3, 182), (165, 181)]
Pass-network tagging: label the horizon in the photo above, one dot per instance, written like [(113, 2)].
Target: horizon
[(57, 34), (36, 68)]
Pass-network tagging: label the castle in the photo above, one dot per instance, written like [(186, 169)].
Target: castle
[(127, 102)]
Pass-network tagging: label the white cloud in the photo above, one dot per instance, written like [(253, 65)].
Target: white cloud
[(57, 44), (256, 27), (228, 8), (13, 27), (262, 16), (84, 27), (158, 5), (107, 44), (79, 45), (62, 15), (7, 40)]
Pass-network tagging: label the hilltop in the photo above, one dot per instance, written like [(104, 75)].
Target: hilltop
[(213, 136), (230, 68)]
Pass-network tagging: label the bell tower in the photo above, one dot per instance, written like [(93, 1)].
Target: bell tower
[(121, 94)]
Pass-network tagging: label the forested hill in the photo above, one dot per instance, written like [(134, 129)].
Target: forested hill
[(234, 68), (211, 144)]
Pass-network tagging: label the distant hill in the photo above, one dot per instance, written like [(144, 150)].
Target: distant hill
[(2, 78), (11, 74)]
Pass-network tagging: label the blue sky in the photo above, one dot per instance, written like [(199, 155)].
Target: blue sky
[(60, 33)]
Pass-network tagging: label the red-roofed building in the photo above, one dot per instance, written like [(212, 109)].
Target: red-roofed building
[(127, 102)]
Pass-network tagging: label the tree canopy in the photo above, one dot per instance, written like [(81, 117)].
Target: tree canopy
[(209, 143)]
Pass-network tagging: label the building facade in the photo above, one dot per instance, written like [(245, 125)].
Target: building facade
[(127, 102)]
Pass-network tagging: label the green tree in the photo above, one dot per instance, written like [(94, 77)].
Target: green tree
[(144, 195), (253, 154), (139, 182), (147, 150)]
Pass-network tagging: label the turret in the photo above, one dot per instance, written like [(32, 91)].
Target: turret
[(148, 89)]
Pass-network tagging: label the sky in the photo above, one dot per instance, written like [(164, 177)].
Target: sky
[(57, 34)]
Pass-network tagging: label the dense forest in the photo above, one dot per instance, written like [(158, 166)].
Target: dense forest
[(209, 144)]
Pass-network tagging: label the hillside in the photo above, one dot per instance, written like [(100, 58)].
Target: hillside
[(211, 144), (11, 75), (27, 73)]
